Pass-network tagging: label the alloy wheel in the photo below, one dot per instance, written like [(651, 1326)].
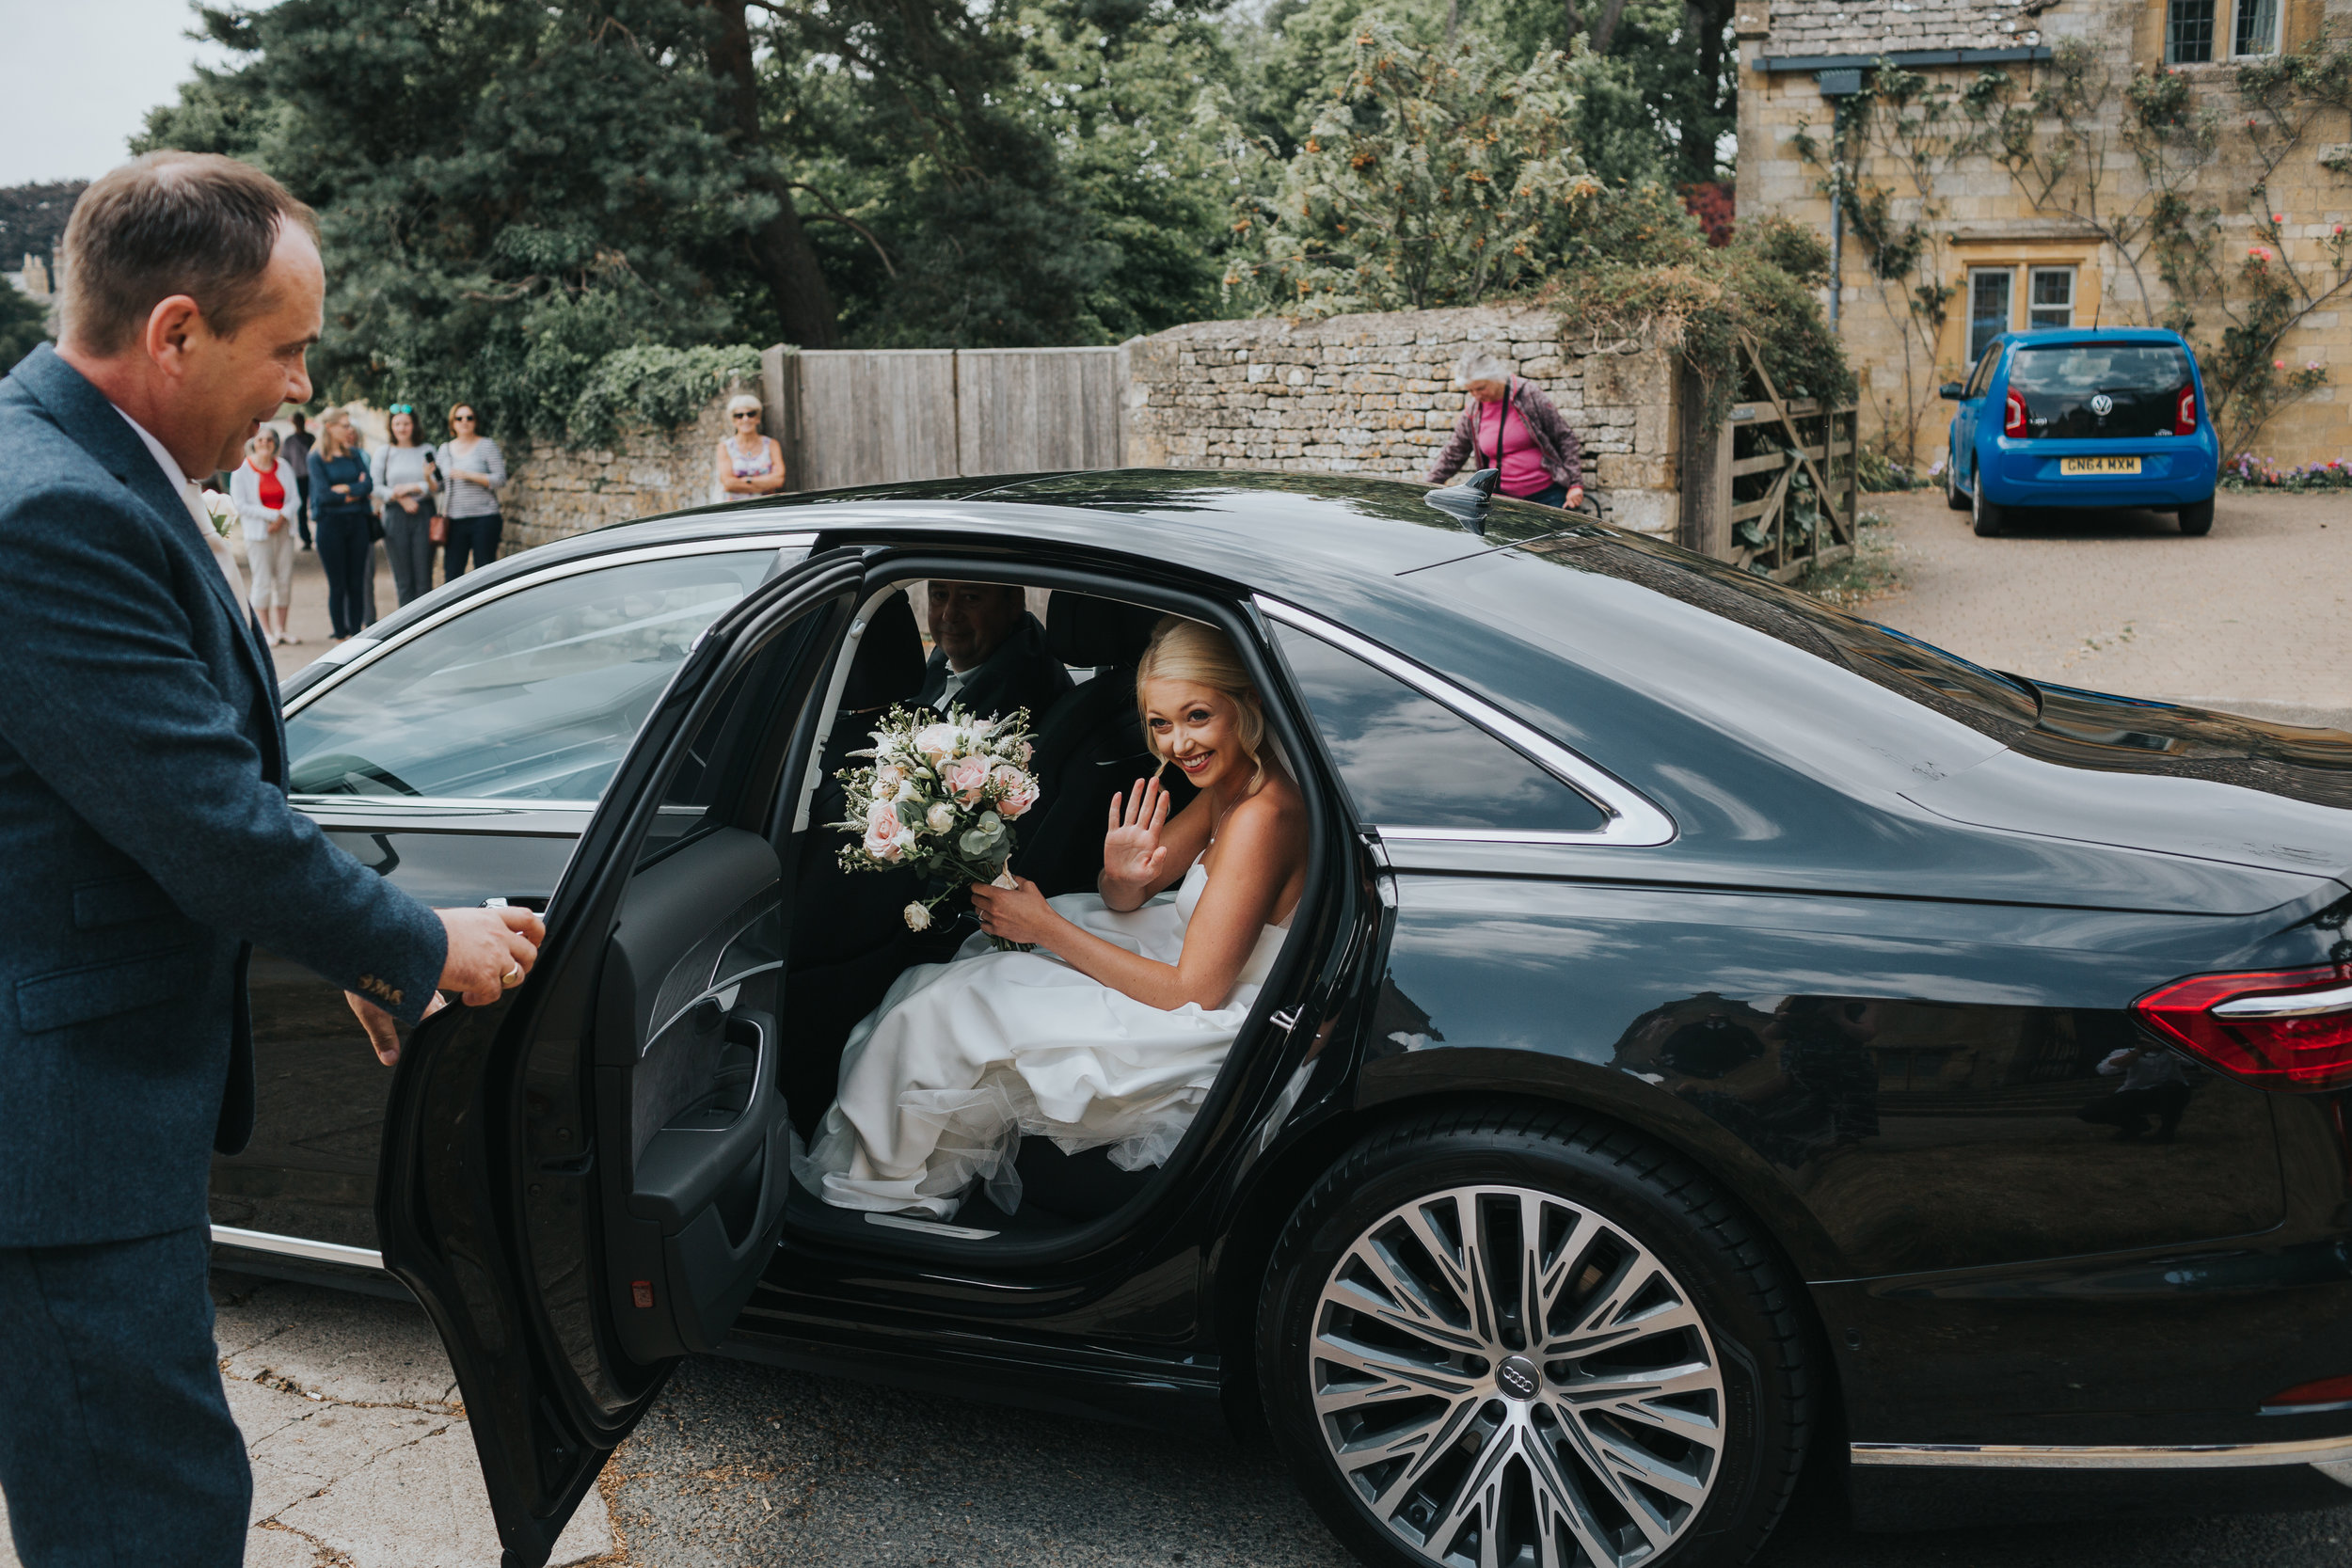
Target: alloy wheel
[(1503, 1376)]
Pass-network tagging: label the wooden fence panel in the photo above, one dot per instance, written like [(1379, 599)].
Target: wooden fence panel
[(1026, 411), (873, 415)]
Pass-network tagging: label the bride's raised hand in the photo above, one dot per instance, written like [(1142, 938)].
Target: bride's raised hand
[(1132, 855)]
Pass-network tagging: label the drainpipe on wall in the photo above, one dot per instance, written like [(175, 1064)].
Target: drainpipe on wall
[(1838, 86)]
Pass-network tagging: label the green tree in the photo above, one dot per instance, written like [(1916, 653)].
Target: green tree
[(1433, 177), (507, 194), (23, 326)]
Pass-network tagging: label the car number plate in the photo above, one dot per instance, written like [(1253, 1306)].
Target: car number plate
[(2098, 465)]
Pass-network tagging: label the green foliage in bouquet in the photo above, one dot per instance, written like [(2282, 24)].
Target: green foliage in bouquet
[(940, 798)]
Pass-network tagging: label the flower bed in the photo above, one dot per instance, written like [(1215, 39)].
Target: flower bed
[(2249, 472)]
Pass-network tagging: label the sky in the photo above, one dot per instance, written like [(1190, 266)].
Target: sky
[(78, 76)]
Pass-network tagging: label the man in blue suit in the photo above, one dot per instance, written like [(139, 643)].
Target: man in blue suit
[(145, 847)]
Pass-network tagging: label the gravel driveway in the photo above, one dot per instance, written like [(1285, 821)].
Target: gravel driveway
[(2253, 617)]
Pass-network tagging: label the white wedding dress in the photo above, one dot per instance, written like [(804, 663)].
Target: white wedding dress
[(939, 1084)]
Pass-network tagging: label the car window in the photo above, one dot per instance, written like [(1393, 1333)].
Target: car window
[(1982, 375), (1410, 762), (531, 696), (2093, 390)]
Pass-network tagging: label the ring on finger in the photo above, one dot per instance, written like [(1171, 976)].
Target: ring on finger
[(512, 977)]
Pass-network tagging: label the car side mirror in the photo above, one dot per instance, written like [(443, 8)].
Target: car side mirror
[(1951, 390)]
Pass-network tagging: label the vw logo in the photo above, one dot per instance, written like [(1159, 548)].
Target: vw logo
[(2102, 404), (1517, 1377)]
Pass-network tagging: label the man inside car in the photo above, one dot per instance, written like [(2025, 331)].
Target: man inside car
[(989, 654)]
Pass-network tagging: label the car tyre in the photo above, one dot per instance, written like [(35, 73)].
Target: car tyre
[(1422, 1418), (2196, 518), (1985, 516), (1952, 498)]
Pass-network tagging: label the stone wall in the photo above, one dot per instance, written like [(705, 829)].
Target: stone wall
[(559, 491), (1375, 395)]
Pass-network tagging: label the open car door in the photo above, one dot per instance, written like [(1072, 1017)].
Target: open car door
[(584, 1182)]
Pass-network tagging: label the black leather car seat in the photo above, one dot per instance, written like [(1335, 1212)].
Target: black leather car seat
[(1088, 743)]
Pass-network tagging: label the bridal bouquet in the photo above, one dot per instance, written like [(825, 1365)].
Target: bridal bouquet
[(940, 797)]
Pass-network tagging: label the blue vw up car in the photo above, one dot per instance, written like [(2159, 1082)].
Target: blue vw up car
[(2084, 417)]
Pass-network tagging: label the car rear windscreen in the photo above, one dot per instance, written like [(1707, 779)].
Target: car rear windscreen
[(2116, 392)]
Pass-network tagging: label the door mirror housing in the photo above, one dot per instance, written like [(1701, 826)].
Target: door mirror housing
[(1951, 390)]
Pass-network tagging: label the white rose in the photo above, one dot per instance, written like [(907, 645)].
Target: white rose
[(887, 777), (938, 742), (883, 845), (222, 511), (907, 790), (917, 917)]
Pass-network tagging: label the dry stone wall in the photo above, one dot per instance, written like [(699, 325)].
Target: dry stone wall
[(559, 491), (1373, 394)]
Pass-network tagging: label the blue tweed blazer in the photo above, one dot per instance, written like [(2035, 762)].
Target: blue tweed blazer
[(146, 842)]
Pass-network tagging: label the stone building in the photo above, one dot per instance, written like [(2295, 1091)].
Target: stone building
[(2068, 237)]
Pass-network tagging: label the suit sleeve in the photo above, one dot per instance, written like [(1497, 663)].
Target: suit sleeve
[(106, 701)]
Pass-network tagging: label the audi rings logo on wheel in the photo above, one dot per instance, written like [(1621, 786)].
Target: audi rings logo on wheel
[(1517, 1377)]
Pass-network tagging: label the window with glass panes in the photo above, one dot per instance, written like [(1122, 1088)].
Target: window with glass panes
[(1988, 307), (2256, 31), (2188, 31), (2050, 300)]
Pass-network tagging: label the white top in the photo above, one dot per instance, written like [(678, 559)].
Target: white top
[(470, 500), (244, 488)]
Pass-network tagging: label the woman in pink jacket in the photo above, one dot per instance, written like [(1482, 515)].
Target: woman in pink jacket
[(1511, 425)]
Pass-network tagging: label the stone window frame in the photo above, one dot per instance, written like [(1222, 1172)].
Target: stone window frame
[(2022, 258), (2295, 23)]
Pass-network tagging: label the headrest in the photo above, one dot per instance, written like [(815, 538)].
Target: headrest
[(1084, 630), (889, 663)]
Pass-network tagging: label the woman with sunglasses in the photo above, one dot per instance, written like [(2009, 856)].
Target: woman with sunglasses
[(407, 484), (476, 473), (750, 464)]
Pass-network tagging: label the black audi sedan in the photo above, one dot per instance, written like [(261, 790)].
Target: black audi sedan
[(1720, 1035)]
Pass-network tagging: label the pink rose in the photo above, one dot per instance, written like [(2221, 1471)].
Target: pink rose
[(1016, 792), (938, 742), (965, 778), (883, 844)]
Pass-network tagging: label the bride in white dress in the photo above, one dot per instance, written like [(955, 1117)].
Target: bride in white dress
[(1112, 1029)]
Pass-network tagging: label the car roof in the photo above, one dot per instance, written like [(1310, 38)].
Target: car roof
[(2054, 335)]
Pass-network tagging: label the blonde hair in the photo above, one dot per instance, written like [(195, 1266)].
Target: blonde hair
[(330, 445), (1184, 650), (740, 402)]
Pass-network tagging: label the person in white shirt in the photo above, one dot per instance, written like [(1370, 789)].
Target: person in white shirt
[(267, 495)]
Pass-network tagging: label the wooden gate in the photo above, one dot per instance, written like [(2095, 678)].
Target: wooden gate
[(1784, 484)]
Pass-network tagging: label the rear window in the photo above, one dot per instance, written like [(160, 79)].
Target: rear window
[(2093, 391)]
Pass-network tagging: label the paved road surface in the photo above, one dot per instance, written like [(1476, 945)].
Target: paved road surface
[(2256, 616)]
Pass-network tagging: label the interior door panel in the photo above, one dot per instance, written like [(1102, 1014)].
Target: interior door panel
[(583, 1181), (686, 1023)]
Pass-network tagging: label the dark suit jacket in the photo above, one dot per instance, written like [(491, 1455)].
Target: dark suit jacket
[(1020, 674), (146, 843)]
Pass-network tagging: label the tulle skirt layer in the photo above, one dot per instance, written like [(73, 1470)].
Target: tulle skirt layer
[(940, 1083)]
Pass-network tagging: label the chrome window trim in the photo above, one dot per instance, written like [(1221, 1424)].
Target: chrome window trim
[(296, 1247), (2175, 1456), (1633, 822), (352, 663), (429, 805)]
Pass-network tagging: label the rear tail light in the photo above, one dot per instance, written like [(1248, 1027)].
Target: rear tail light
[(2326, 1393), (2278, 1029), (2013, 416), (2185, 413)]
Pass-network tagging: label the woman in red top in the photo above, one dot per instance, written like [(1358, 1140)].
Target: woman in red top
[(268, 498), (1511, 425)]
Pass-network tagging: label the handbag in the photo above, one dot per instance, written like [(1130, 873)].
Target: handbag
[(437, 529)]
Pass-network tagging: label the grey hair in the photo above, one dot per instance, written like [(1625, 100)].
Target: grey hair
[(743, 402), (1478, 365)]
